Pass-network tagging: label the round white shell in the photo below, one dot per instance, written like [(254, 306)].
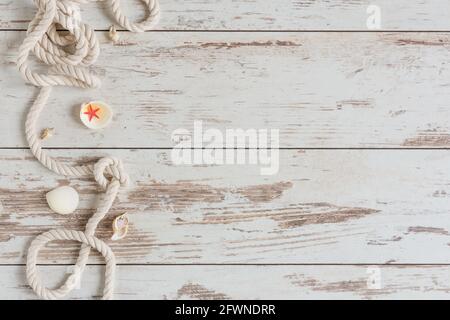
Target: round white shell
[(103, 115), (63, 200)]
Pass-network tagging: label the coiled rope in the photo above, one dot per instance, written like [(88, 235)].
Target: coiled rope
[(71, 69)]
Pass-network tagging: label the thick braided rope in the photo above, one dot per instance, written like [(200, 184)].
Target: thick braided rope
[(63, 234), (71, 69)]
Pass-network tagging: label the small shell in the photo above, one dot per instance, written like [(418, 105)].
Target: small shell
[(96, 114), (113, 34), (47, 133), (63, 200), (120, 227)]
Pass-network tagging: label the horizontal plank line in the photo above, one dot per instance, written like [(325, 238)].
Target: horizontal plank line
[(266, 31), (244, 264), (281, 148)]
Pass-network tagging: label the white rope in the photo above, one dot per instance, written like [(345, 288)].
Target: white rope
[(71, 69)]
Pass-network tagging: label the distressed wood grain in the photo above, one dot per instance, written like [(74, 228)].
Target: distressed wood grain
[(259, 14), (344, 208), (347, 90), (324, 206), (246, 282)]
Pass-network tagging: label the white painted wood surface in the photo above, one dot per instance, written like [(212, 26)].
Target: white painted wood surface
[(260, 14), (309, 232), (324, 206), (319, 89), (247, 282)]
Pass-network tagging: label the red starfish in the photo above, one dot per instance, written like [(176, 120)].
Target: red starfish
[(92, 113)]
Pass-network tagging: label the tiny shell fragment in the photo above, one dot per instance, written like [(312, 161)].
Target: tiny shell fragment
[(120, 227), (113, 34), (96, 114), (47, 133)]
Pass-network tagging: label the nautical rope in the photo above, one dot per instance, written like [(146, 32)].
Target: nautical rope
[(71, 69)]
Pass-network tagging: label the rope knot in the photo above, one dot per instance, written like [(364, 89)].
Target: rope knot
[(113, 167)]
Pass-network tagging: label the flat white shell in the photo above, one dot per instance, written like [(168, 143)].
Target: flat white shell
[(96, 114), (63, 200)]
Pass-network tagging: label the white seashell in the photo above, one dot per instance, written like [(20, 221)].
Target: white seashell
[(96, 114), (113, 34), (120, 227), (63, 200)]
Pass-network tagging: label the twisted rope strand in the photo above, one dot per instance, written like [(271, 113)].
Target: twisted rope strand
[(71, 69)]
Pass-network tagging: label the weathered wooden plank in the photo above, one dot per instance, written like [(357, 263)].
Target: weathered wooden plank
[(310, 86), (260, 14), (324, 206), (247, 282)]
